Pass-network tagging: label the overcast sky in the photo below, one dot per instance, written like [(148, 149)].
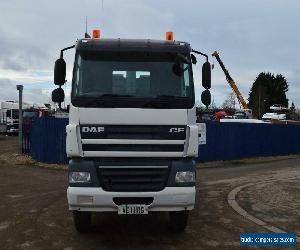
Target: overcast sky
[(251, 35)]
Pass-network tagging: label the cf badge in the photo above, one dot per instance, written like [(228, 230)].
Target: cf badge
[(176, 130)]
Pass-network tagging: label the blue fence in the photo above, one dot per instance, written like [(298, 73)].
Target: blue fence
[(229, 141), (45, 140)]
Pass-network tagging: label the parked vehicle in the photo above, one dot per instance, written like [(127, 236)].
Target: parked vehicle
[(228, 117), (278, 107), (29, 115), (243, 114), (220, 115), (273, 116), (205, 116), (236, 120), (132, 137), (278, 112), (9, 115)]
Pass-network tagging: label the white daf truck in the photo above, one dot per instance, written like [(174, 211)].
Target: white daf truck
[(132, 137)]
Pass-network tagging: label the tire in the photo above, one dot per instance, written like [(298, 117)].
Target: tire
[(179, 220), (82, 221)]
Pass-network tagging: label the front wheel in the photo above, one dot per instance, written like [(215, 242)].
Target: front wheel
[(178, 220), (82, 221)]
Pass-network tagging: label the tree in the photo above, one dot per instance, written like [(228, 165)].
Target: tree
[(213, 104), (199, 104), (267, 90), (229, 102), (293, 108)]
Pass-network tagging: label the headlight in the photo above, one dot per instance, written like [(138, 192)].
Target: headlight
[(79, 177), (185, 176)]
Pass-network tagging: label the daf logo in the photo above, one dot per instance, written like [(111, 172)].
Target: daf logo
[(92, 129), (176, 130)]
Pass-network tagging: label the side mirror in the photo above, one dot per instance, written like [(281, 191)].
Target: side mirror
[(60, 72), (58, 95), (206, 75), (206, 97)]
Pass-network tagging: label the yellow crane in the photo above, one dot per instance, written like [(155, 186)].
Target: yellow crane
[(231, 82)]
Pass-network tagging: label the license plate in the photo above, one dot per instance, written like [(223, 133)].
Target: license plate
[(133, 209)]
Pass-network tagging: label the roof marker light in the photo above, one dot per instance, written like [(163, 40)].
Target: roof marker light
[(169, 36), (96, 33)]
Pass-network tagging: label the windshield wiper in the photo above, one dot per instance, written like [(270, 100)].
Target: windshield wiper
[(166, 99), (97, 99), (88, 100), (93, 96), (171, 97), (112, 95)]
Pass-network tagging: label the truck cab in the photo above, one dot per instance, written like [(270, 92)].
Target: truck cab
[(132, 137), (9, 116)]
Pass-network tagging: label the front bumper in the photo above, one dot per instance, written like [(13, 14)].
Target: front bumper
[(95, 199)]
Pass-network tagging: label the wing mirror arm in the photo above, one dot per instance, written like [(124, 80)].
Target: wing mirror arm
[(67, 48), (62, 109), (200, 53)]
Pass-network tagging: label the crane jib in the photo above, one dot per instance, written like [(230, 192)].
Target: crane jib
[(231, 81)]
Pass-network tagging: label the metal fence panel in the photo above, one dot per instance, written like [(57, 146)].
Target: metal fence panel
[(48, 140), (229, 141)]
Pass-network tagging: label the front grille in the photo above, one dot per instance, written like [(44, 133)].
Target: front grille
[(141, 132), (14, 126), (133, 179)]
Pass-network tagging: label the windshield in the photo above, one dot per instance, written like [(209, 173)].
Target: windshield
[(131, 79), (12, 113)]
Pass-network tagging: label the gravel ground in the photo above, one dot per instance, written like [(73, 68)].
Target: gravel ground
[(277, 203), (34, 212)]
